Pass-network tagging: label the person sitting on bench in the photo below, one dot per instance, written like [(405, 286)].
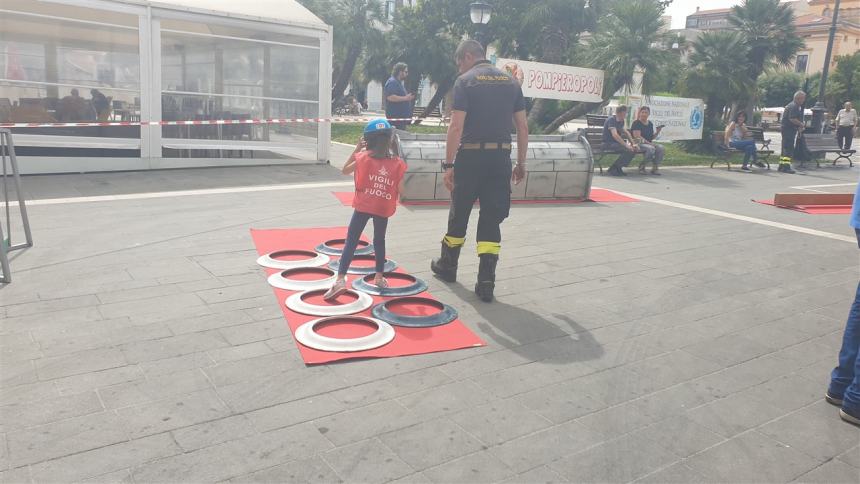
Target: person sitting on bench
[(739, 138), (613, 130)]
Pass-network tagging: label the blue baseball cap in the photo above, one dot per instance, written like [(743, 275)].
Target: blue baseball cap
[(376, 125)]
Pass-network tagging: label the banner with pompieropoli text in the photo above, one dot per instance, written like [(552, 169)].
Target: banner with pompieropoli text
[(553, 81), (682, 118)]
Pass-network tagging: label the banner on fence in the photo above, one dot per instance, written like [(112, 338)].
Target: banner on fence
[(683, 118), (553, 81)]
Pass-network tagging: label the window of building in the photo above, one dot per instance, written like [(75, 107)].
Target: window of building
[(801, 62), (692, 23)]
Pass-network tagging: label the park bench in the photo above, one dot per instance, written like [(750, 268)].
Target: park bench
[(821, 144), (594, 137), (764, 151), (724, 153), (417, 111), (595, 120)]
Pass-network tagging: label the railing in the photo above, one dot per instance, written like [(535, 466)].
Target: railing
[(10, 170)]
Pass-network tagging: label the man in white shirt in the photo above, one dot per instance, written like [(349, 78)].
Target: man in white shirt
[(846, 123)]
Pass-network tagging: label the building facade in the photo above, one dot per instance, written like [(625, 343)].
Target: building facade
[(812, 20), (814, 27), (114, 61)]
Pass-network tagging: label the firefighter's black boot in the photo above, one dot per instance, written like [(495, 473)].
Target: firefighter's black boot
[(446, 265), (486, 277)]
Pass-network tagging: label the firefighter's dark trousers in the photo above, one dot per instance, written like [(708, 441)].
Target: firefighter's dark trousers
[(483, 175)]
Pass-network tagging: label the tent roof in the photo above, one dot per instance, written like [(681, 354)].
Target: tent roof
[(281, 11)]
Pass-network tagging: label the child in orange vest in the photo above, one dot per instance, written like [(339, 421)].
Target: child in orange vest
[(378, 175)]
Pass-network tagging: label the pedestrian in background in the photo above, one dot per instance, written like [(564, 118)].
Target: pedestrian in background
[(398, 102), (846, 123)]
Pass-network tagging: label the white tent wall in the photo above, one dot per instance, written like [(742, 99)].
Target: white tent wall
[(173, 60)]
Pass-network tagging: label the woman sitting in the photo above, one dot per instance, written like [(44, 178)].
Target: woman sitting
[(738, 137)]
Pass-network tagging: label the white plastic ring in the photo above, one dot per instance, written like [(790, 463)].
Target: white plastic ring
[(297, 304), (306, 335), (282, 280), (313, 259)]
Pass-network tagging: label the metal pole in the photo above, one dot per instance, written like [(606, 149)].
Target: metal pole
[(820, 107)]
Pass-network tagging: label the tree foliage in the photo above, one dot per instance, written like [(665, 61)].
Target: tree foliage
[(844, 82), (778, 87), (771, 40)]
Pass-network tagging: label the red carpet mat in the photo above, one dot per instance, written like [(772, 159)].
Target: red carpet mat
[(600, 195), (408, 341), (812, 209)]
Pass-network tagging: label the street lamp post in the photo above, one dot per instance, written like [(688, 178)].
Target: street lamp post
[(480, 14), (819, 108)]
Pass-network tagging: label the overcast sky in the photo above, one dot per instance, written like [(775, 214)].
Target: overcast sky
[(681, 8)]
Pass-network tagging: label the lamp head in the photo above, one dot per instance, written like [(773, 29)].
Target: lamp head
[(480, 13)]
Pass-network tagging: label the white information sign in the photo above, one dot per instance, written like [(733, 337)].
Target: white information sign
[(552, 81), (683, 118)]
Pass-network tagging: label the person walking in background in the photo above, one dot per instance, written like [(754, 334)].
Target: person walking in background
[(378, 175), (643, 131), (844, 389), (738, 137), (613, 129), (398, 103), (488, 105), (846, 123), (791, 128)]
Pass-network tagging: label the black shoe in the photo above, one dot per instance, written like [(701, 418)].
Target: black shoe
[(445, 267), (612, 171), (486, 277), (759, 164), (745, 168), (786, 168)]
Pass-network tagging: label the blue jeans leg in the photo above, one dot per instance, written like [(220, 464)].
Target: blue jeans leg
[(356, 226), (748, 147), (380, 225), (845, 378)]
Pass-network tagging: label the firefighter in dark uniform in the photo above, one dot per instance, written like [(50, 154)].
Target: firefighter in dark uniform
[(488, 103), (791, 126)]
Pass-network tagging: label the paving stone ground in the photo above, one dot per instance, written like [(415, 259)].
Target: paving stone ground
[(630, 342)]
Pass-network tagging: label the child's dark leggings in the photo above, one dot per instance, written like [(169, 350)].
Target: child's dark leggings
[(356, 227)]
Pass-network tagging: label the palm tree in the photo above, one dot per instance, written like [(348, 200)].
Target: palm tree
[(767, 28), (558, 24), (628, 40), (356, 25), (715, 73)]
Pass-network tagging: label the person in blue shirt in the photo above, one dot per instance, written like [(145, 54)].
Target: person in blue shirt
[(844, 390), (398, 102)]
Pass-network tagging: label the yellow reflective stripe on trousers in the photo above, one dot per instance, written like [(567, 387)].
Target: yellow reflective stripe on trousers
[(489, 248), (454, 241)]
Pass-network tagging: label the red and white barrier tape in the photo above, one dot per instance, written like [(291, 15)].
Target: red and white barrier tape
[(201, 122)]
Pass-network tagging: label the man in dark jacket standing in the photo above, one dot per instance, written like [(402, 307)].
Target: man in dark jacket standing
[(488, 105)]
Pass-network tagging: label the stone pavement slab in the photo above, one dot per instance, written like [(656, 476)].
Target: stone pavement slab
[(644, 342)]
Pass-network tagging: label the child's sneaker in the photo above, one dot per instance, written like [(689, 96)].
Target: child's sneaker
[(336, 290), (380, 282)]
